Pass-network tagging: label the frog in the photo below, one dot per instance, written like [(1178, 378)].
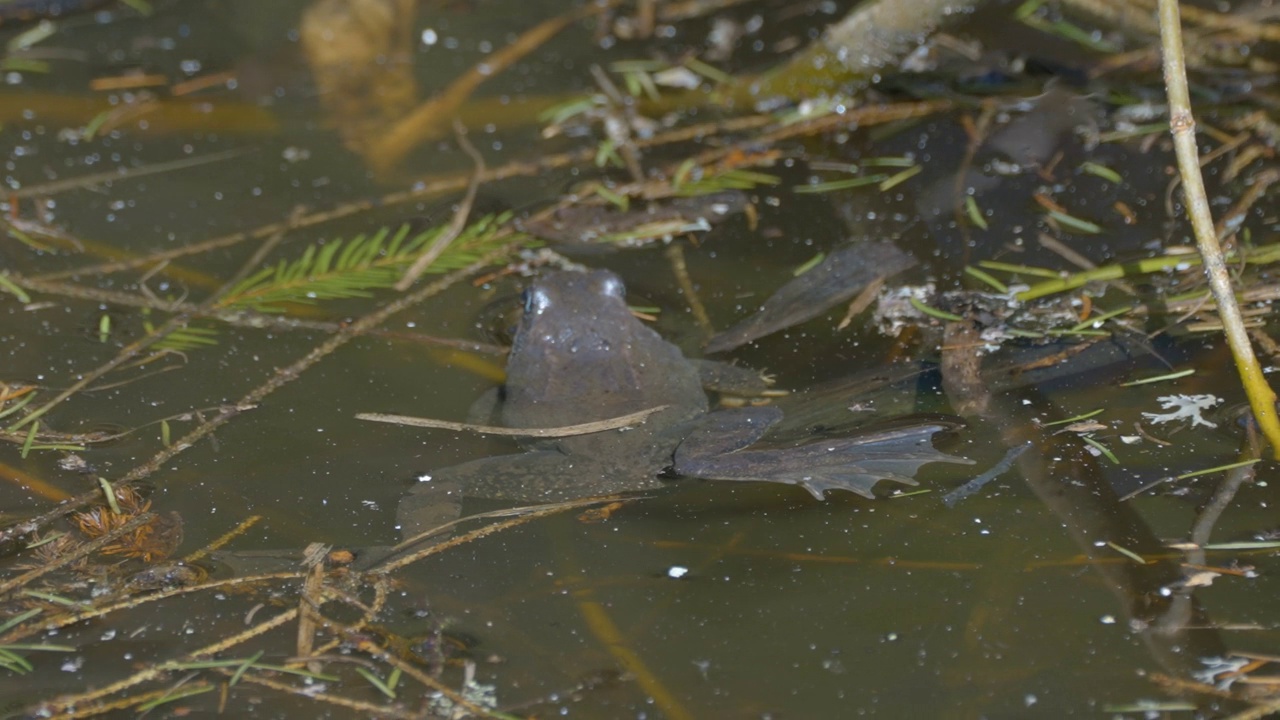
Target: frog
[(579, 355)]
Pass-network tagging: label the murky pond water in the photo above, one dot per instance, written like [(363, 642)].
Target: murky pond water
[(1048, 592)]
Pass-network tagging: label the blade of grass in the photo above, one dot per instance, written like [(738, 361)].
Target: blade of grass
[(986, 278), (1220, 468), (1106, 451), (1160, 378), (1077, 418), (1127, 553)]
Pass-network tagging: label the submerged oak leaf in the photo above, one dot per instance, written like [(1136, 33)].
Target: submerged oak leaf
[(1184, 406)]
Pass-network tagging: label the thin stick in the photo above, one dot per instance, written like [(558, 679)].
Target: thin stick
[(122, 173), (564, 431), (1183, 125), (459, 221), (57, 622), (675, 255), (395, 561)]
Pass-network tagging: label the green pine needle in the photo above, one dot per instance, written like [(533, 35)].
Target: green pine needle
[(356, 267)]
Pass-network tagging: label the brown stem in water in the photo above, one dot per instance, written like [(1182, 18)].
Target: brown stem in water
[(432, 118)]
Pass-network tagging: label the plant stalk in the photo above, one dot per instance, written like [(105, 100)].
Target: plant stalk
[(1182, 124)]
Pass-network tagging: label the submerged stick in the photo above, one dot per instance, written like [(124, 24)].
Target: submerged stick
[(1183, 127), (976, 484), (428, 120)]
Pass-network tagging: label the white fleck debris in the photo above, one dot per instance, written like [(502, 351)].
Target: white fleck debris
[(295, 154), (1185, 406), (894, 310), (678, 77), (1107, 619), (676, 572), (486, 696), (1215, 666)]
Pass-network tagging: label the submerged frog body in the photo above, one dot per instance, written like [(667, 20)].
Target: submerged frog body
[(580, 356)]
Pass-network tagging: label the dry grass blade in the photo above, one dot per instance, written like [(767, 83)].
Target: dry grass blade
[(526, 514), (616, 423)]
